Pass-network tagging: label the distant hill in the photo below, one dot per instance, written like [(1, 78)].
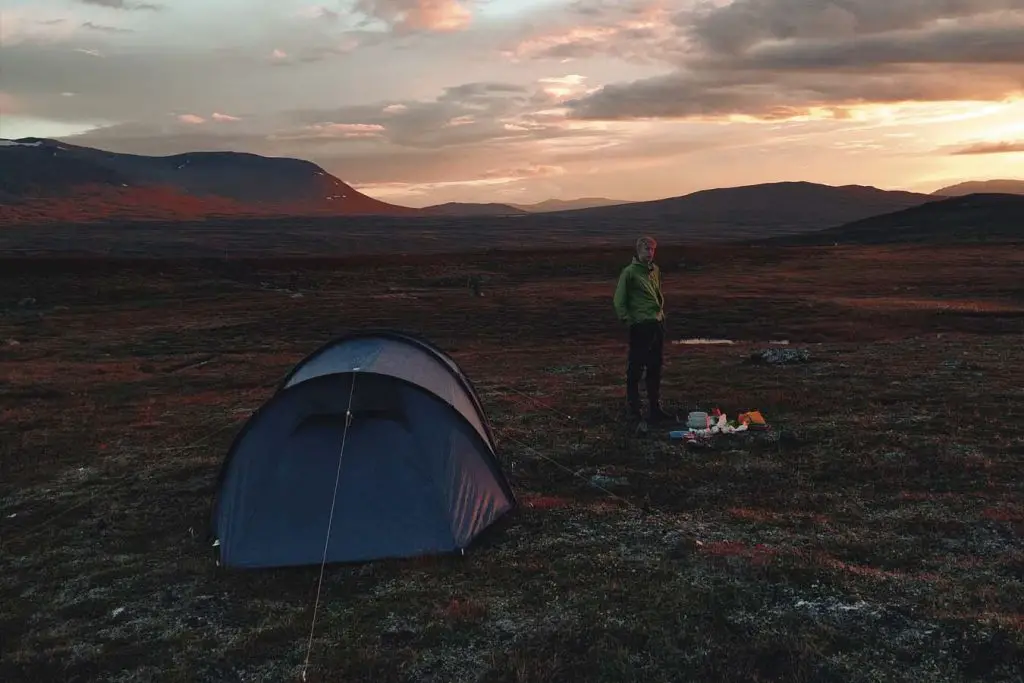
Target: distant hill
[(44, 180), (51, 182), (979, 217), (494, 209), (971, 218), (465, 209), (550, 205), (750, 211), (1005, 186)]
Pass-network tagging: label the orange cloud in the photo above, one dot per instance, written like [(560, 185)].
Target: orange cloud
[(488, 180), (1004, 147), (645, 34), (418, 15), (461, 121), (196, 119), (332, 131), (351, 129), (563, 87), (529, 171)]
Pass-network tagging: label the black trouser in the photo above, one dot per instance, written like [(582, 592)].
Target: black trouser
[(646, 345)]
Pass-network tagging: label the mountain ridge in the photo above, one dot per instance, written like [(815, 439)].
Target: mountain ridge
[(749, 210), (37, 171), (570, 204), (995, 186), (967, 218), (45, 180), (473, 209)]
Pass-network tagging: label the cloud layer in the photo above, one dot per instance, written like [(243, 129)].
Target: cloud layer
[(524, 99), (1007, 147), (777, 59), (418, 15)]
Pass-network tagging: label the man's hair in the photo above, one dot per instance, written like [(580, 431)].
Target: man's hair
[(646, 239)]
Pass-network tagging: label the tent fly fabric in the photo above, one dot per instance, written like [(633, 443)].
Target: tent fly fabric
[(418, 470)]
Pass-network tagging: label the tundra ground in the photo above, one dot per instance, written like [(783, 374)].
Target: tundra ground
[(877, 536)]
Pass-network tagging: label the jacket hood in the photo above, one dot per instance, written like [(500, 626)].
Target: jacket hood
[(638, 262)]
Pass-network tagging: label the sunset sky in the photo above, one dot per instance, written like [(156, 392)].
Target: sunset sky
[(426, 101)]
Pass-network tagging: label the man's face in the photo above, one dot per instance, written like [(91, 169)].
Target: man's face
[(645, 252)]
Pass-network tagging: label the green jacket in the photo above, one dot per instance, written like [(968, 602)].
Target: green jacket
[(638, 296)]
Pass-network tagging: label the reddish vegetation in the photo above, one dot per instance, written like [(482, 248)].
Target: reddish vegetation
[(464, 610), (98, 203), (1007, 513), (759, 515), (829, 562), (876, 537), (757, 554), (87, 204), (541, 502)]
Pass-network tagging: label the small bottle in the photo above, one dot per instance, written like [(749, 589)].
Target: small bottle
[(677, 434)]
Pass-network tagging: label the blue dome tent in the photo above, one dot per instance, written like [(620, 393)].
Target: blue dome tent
[(418, 471)]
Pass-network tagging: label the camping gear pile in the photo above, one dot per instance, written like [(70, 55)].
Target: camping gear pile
[(703, 427)]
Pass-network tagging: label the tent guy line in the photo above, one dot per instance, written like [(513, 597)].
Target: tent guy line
[(202, 440), (537, 401), (21, 535), (562, 467), (334, 500), (649, 509)]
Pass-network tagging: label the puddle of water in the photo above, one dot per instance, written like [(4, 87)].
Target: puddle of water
[(694, 342), (701, 341)]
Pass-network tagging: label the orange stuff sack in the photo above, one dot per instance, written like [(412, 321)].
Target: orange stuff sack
[(753, 417)]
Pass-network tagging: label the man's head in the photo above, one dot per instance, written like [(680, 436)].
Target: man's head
[(645, 248)]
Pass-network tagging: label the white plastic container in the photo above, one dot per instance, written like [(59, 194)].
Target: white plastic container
[(698, 420)]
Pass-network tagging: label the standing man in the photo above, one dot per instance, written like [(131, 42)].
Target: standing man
[(640, 304)]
